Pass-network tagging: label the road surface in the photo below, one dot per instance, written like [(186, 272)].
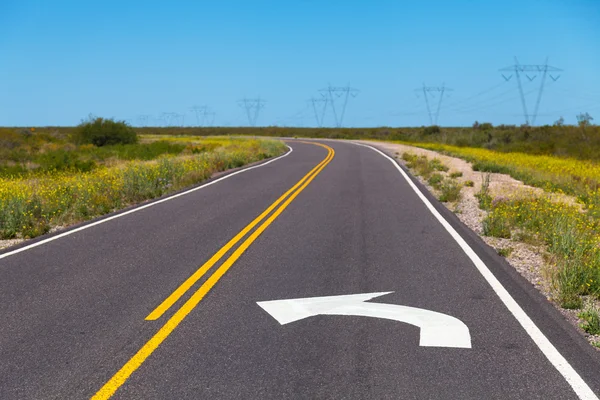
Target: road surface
[(179, 300)]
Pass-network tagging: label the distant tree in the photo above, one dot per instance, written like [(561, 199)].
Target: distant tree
[(584, 120), (559, 122)]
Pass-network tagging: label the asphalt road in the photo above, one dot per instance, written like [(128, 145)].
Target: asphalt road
[(74, 310)]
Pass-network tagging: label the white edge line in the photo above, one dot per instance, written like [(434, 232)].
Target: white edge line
[(583, 391), (139, 208)]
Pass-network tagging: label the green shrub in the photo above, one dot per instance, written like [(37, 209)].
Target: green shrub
[(409, 157), (484, 197), (435, 180), (592, 321), (102, 132), (456, 175), (496, 225), (422, 166), (431, 130), (505, 251), (450, 190), (437, 165), (469, 183)]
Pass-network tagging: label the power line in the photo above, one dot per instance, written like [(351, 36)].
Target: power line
[(461, 102), (518, 70)]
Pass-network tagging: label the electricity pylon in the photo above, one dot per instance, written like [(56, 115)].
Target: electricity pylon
[(429, 91), (319, 106), (544, 69), (252, 107), (143, 119), (333, 93), (171, 118), (204, 117)]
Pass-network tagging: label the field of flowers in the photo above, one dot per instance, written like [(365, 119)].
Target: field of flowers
[(30, 205), (570, 234)]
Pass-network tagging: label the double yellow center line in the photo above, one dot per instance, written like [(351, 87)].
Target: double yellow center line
[(136, 361)]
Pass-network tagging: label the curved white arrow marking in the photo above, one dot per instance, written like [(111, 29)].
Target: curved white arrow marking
[(437, 329)]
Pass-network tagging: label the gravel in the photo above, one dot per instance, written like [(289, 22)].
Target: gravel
[(528, 259)]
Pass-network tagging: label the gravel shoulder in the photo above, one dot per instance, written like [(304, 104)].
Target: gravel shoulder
[(529, 260)]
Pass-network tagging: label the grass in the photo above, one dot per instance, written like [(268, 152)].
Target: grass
[(484, 196), (32, 153), (449, 189), (435, 180), (562, 175), (505, 251), (569, 232), (582, 143), (570, 236), (591, 319), (32, 202), (419, 164)]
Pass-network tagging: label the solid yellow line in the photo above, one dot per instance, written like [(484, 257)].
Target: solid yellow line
[(189, 282), (138, 359)]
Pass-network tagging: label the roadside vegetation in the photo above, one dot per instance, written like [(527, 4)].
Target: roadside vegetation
[(56, 176), (52, 178), (566, 228), (447, 188), (574, 141), (570, 232)]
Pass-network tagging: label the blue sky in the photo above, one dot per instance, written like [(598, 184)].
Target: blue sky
[(62, 60)]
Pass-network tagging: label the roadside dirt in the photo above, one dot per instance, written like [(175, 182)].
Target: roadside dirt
[(529, 260)]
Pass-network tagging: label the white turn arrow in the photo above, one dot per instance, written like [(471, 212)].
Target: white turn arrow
[(437, 329)]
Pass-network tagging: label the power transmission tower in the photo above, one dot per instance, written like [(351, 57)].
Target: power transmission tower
[(209, 118), (252, 107), (430, 91), (143, 119), (333, 93), (172, 118), (166, 118), (544, 69), (199, 112), (319, 106), (204, 117)]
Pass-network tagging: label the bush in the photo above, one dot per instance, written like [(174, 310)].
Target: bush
[(437, 165), (431, 130), (592, 321), (496, 225), (484, 196), (450, 191), (435, 180), (102, 132)]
